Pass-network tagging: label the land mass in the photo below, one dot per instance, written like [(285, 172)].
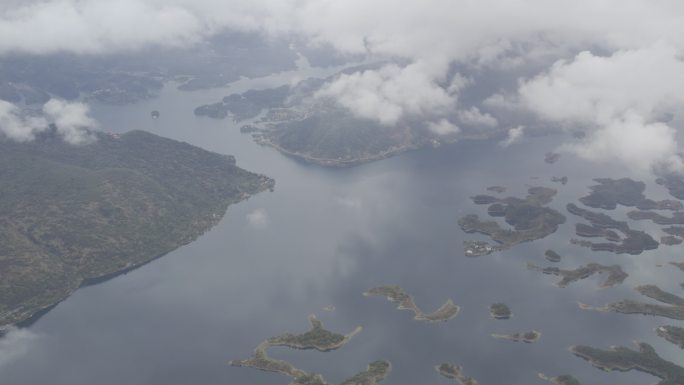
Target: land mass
[(623, 359), (317, 338), (500, 311), (527, 337), (560, 380), (615, 273), (455, 372), (672, 305), (673, 334), (609, 193), (529, 217), (406, 302), (70, 215)]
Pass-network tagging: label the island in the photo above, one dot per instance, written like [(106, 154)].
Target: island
[(527, 337), (552, 256), (562, 180), (455, 372), (677, 217), (530, 219), (670, 240), (560, 380), (497, 189), (609, 193), (615, 273), (76, 214), (674, 183), (500, 311), (155, 114), (672, 305), (397, 295), (551, 157), (317, 338), (673, 334), (624, 359), (634, 242)]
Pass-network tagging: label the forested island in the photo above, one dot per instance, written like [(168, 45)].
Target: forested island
[(406, 302), (76, 214)]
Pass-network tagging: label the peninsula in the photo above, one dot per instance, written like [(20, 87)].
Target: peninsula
[(74, 214), (623, 359), (455, 372), (615, 273)]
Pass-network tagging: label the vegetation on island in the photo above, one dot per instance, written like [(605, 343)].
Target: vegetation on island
[(624, 359), (529, 218), (670, 306), (74, 214), (609, 193), (526, 337), (634, 241), (560, 380), (615, 273), (317, 338), (552, 256), (397, 295), (673, 334), (455, 372), (500, 311)]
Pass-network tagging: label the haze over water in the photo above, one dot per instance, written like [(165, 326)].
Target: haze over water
[(323, 238)]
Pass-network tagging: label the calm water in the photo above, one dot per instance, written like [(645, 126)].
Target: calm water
[(322, 238)]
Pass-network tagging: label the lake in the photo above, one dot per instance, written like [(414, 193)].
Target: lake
[(323, 237)]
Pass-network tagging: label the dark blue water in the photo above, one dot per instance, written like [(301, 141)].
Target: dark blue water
[(324, 237)]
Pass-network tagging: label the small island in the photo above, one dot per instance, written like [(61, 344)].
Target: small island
[(406, 302), (455, 372), (319, 339), (500, 311), (623, 359), (497, 189), (527, 337), (670, 240), (551, 157), (609, 193), (552, 256), (672, 307), (530, 218), (562, 180), (615, 273), (560, 380), (634, 242), (673, 334)]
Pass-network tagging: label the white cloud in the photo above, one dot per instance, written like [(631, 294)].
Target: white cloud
[(641, 73), (474, 117), (443, 127), (16, 343), (72, 121), (619, 98), (258, 218), (16, 125), (514, 136), (348, 202), (387, 94)]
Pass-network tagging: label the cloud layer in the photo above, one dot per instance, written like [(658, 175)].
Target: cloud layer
[(628, 72)]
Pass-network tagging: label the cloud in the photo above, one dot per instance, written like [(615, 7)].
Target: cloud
[(71, 120), (348, 202), (389, 93), (258, 218), (514, 136), (619, 98), (16, 343), (443, 127), (632, 74), (475, 117), (16, 125)]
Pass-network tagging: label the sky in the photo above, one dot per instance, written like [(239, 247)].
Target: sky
[(610, 67)]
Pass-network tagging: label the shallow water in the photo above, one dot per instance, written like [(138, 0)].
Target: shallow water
[(324, 237)]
